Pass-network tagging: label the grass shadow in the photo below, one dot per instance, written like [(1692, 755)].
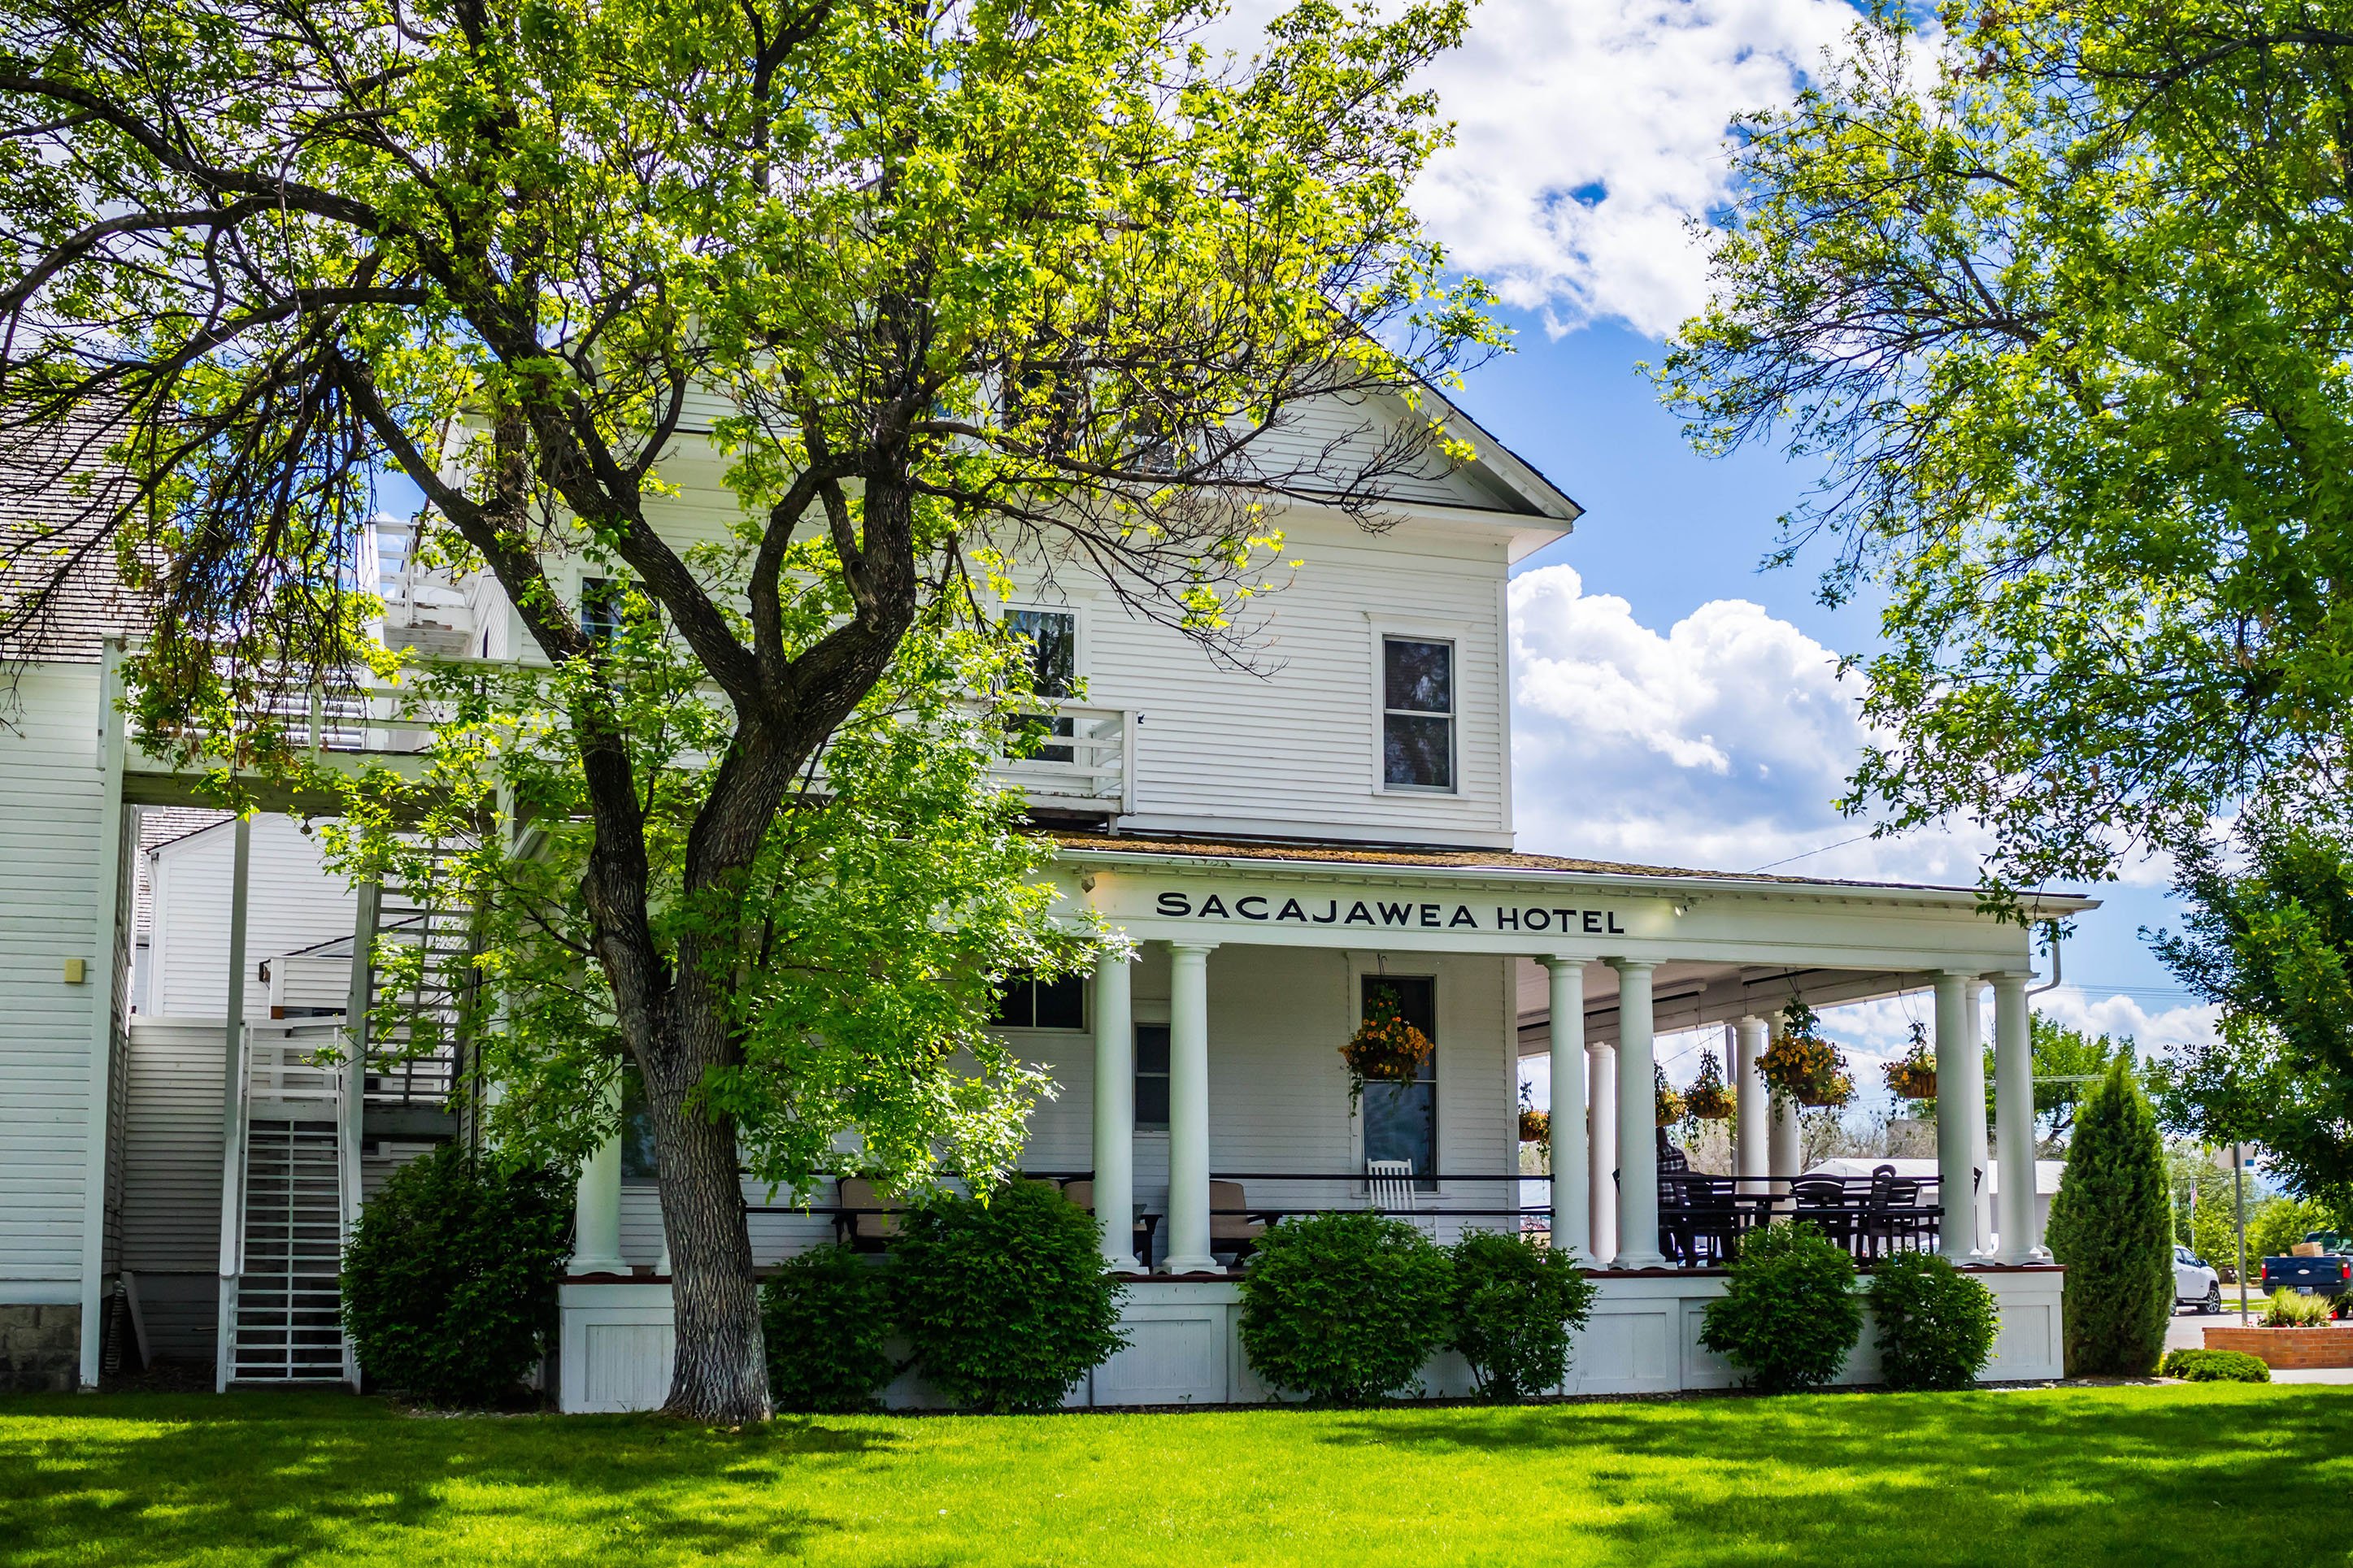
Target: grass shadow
[(286, 1478)]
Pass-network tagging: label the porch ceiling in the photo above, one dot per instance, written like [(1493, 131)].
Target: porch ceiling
[(1692, 996)]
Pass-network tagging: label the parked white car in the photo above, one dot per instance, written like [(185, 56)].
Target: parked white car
[(2195, 1282)]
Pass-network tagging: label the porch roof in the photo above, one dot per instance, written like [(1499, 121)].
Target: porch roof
[(1306, 853)]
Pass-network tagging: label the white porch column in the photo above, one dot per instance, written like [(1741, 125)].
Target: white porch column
[(1572, 1214), (234, 1088), (1638, 1151), (2013, 1085), (1601, 1153), (596, 1213), (1755, 1105), (1114, 1139), (1961, 1096), (1785, 1148), (1188, 1109), (1981, 1218)]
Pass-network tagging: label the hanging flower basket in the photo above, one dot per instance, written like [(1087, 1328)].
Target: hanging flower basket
[(1707, 1098), (1384, 1048), (1799, 1065), (1670, 1103), (1913, 1076), (1535, 1126)]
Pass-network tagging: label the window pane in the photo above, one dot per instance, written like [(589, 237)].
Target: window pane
[(1401, 1123), (1151, 1076), (638, 1159), (1016, 1005), (1418, 752), (1416, 998), (1062, 1003), (1053, 649), (601, 608), (1418, 676)]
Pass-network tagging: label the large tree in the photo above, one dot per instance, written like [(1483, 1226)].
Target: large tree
[(971, 281), (2058, 295), (2269, 941)]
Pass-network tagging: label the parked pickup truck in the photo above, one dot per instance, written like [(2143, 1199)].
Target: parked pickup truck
[(2328, 1272)]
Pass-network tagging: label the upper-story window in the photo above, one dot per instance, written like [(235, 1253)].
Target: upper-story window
[(1417, 713), (1053, 638), (607, 605)]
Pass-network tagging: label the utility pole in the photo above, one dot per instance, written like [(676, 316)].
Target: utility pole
[(2238, 1207)]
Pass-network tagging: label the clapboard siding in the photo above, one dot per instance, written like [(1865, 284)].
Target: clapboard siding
[(293, 901), (1292, 745), (50, 812), (172, 1132)]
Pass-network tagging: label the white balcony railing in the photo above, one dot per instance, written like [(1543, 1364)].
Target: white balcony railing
[(1088, 759)]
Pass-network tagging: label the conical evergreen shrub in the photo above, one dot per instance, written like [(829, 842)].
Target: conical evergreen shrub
[(2111, 1229)]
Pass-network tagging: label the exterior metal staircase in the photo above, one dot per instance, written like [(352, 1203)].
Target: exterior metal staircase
[(302, 1111), (288, 1300)]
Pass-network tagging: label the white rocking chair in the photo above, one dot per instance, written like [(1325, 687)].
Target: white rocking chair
[(1390, 1188)]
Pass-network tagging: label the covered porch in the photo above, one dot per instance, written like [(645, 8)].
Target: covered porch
[(1203, 1096)]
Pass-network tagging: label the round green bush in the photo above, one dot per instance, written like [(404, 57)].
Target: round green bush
[(1007, 1302), (1936, 1323), (1345, 1307), (1790, 1313), (826, 1316), (2213, 1366), (1516, 1306), (449, 1283)]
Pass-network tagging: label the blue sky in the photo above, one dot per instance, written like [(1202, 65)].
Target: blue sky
[(1679, 537)]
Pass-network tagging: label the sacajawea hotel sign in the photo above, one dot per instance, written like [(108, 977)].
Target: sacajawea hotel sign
[(1380, 913)]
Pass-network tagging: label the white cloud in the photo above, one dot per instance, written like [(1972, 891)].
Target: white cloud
[(1589, 130), (1720, 744)]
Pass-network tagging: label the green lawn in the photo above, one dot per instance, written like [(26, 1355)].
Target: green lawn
[(2135, 1476)]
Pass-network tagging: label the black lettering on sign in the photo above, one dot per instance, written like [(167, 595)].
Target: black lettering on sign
[(1331, 912), (1241, 907), (1592, 919), (1291, 911), (1356, 913), (1508, 920), (1176, 904), (1463, 917), (1430, 914), (1615, 929), (1540, 920), (1396, 914), (1213, 905)]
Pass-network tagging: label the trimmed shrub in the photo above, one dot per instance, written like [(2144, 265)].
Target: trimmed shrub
[(2293, 1309), (2112, 1228), (1516, 1307), (1345, 1307), (1005, 1302), (449, 1283), (1936, 1323), (1790, 1313), (2213, 1366), (826, 1316)]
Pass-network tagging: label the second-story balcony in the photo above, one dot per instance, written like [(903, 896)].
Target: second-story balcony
[(1085, 761)]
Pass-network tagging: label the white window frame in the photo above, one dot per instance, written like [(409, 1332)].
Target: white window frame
[(1383, 634), (1078, 638)]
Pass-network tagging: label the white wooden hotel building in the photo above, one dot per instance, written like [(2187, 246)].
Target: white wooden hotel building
[(1275, 841)]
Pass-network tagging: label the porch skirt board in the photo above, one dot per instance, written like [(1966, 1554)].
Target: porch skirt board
[(1186, 1345)]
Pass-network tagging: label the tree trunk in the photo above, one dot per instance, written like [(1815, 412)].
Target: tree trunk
[(719, 1372)]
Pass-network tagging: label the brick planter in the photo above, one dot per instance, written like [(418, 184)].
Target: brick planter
[(2287, 1349)]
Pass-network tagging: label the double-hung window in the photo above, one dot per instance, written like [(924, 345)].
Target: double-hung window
[(1401, 1119), (1053, 639), (1417, 713), (1028, 1003), (1152, 1078)]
